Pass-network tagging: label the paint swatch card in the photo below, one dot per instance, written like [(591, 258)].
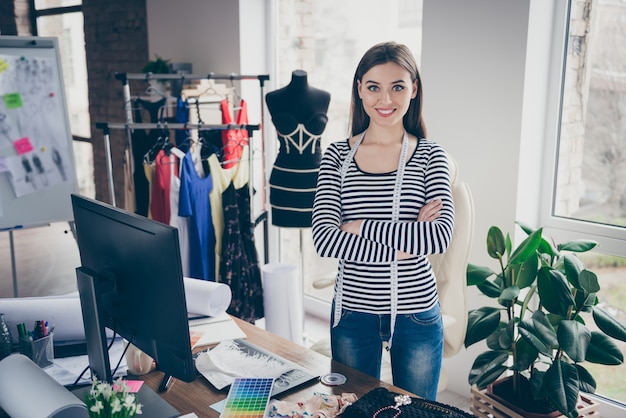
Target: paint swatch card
[(248, 397)]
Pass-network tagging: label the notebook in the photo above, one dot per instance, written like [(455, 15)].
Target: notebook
[(212, 330)]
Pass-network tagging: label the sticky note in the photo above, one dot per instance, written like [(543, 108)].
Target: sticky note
[(13, 100), (133, 385), (4, 65), (23, 145)]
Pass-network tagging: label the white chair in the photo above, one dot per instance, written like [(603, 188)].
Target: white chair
[(450, 270)]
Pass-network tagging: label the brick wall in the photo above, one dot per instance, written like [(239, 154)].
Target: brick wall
[(7, 18), (14, 18), (116, 40), (573, 119)]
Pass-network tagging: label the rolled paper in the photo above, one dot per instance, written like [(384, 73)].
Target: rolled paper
[(28, 391), (283, 301), (205, 297), (62, 312)]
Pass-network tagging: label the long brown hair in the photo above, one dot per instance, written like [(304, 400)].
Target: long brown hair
[(381, 54)]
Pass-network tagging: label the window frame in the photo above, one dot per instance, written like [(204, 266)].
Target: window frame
[(611, 239)]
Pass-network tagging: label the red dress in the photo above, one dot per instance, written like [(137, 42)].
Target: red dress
[(233, 140)]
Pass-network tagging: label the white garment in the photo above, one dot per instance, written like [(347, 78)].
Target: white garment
[(179, 222)]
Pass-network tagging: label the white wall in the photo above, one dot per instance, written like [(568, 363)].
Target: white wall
[(473, 69), (473, 66), (205, 33)]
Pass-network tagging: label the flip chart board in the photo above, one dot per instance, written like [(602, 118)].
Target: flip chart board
[(37, 172)]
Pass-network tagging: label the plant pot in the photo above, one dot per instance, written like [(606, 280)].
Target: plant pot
[(487, 405), (502, 390)]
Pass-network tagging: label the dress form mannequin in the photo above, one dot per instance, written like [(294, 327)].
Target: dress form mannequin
[(299, 114)]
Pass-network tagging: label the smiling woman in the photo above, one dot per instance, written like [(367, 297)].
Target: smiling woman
[(382, 225), (332, 36)]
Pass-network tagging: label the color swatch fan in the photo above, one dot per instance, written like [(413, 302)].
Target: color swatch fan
[(248, 397)]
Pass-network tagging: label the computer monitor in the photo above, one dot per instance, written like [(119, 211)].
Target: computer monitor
[(131, 282)]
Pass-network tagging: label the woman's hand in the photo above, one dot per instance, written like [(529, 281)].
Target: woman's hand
[(353, 227), (430, 211)]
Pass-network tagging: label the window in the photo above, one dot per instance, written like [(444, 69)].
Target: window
[(64, 20), (588, 199), (329, 38)]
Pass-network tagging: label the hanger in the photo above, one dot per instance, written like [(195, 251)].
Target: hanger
[(162, 142), (236, 101), (151, 89)]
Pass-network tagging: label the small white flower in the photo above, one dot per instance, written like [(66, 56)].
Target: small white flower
[(97, 407), (129, 400), (116, 405)]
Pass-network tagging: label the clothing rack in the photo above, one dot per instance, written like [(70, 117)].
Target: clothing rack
[(130, 125)]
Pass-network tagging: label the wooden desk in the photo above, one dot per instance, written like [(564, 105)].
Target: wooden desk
[(200, 394)]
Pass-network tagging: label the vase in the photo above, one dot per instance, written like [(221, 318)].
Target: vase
[(6, 342)]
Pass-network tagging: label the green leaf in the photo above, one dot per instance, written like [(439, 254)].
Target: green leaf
[(527, 248), (525, 355), (577, 246), (487, 367), (572, 266), (602, 350), (589, 281), (526, 273), (561, 385), (544, 246), (586, 382), (477, 274), (503, 338), (489, 289), (481, 323), (525, 227), (495, 243), (536, 384), (508, 295), (585, 301), (508, 245), (539, 333), (608, 324), (574, 338), (554, 291)]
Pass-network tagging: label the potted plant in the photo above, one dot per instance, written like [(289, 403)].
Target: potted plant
[(158, 65), (104, 400), (537, 335)]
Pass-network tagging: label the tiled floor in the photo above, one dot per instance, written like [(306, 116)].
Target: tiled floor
[(46, 259)]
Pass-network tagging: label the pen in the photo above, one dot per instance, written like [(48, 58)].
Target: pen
[(21, 330)]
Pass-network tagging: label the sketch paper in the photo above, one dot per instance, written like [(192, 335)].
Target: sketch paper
[(32, 123)]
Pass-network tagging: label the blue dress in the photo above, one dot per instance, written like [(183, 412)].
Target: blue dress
[(194, 203)]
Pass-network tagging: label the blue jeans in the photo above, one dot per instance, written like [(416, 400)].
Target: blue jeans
[(416, 349)]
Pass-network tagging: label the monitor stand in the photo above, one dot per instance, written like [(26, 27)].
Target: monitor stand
[(152, 405)]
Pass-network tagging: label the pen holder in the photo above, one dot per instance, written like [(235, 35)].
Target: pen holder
[(41, 350)]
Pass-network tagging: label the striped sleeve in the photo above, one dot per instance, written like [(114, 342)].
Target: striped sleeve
[(420, 238), (329, 240)]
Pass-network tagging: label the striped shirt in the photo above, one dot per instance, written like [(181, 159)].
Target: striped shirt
[(368, 256)]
